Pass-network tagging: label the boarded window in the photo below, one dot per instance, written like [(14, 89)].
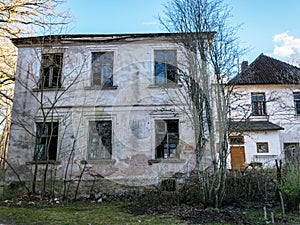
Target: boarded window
[(102, 68), (297, 103), (165, 67), (46, 141), (258, 104), (51, 70), (262, 147), (100, 143), (167, 138)]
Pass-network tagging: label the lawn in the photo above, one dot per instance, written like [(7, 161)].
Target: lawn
[(130, 213), (78, 213)]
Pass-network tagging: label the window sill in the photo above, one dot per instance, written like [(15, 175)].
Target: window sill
[(98, 87), (173, 160), (43, 162), (165, 86), (99, 161), (48, 89)]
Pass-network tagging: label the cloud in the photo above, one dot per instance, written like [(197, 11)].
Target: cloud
[(286, 46)]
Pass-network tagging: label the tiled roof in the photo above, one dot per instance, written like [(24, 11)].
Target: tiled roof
[(240, 126), (267, 70)]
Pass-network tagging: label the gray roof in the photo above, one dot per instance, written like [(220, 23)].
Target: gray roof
[(267, 70), (240, 126)]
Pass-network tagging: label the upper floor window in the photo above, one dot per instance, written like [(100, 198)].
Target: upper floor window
[(297, 102), (51, 70), (46, 141), (165, 67), (100, 140), (258, 104), (167, 138), (102, 68)]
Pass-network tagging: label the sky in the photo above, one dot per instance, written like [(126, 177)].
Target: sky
[(270, 27)]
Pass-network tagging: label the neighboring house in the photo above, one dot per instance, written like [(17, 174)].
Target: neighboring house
[(265, 112), (106, 102)]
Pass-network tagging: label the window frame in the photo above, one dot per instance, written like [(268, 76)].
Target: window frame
[(97, 135), (111, 65), (164, 137), (52, 67), (261, 105), (167, 68), (39, 138), (297, 103), (231, 142), (258, 144)]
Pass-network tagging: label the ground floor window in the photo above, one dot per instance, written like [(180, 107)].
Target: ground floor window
[(46, 141), (291, 152), (262, 147), (167, 138), (100, 140)]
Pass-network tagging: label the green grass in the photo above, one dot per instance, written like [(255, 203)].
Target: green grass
[(80, 213)]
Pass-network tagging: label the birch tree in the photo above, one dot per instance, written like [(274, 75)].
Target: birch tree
[(211, 56)]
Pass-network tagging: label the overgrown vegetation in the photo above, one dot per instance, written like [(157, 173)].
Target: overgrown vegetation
[(247, 195)]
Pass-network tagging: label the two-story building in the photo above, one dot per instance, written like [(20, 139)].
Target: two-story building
[(106, 103), (265, 112)]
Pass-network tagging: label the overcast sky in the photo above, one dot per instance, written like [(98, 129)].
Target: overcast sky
[(268, 26)]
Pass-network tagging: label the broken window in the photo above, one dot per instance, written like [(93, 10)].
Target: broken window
[(51, 70), (167, 138), (297, 103), (258, 104), (46, 141), (100, 134), (102, 68), (165, 67), (262, 147), (291, 152)]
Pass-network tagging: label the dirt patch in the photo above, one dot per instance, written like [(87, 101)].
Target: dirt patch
[(190, 214)]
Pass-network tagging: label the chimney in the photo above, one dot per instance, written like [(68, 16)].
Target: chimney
[(244, 66)]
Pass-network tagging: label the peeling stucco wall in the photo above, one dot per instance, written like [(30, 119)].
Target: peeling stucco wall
[(133, 106)]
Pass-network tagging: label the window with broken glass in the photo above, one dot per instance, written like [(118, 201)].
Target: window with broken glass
[(165, 67), (102, 69), (297, 102), (258, 104), (167, 138), (51, 70), (46, 141), (100, 140)]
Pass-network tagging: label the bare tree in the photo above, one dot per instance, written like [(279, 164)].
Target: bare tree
[(19, 18), (211, 53)]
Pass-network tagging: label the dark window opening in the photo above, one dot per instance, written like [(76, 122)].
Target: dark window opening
[(100, 140), (297, 103), (258, 104), (51, 70), (168, 185), (46, 141), (167, 138), (236, 140), (102, 68), (165, 67)]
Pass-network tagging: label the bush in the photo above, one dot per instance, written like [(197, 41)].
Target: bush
[(290, 185)]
